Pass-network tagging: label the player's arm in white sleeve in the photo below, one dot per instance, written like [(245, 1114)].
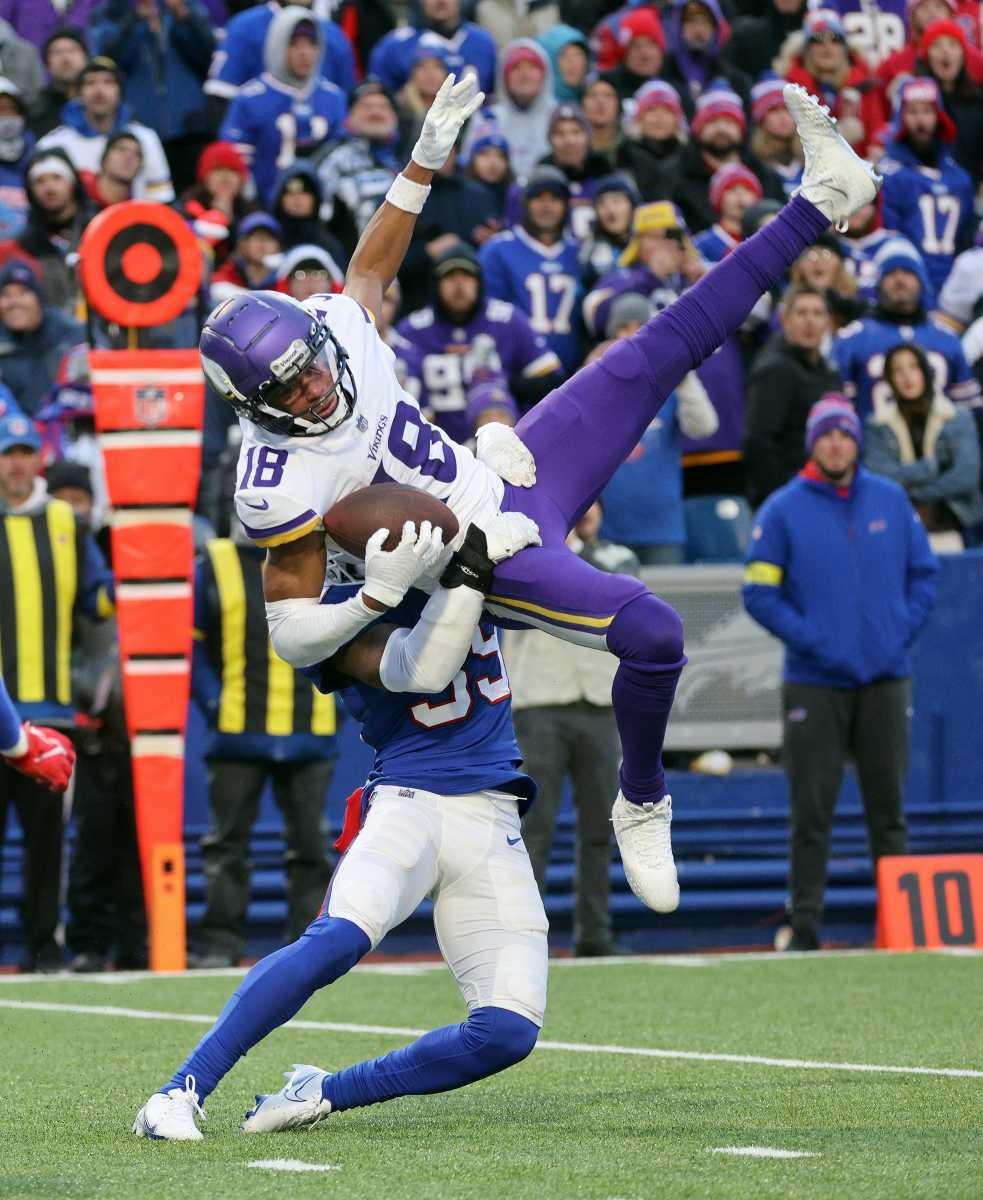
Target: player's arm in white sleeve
[(385, 240)]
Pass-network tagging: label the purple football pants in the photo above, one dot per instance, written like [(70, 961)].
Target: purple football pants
[(579, 435)]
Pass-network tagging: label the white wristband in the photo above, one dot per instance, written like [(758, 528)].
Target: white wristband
[(409, 196)]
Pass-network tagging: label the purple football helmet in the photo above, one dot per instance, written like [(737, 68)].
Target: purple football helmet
[(277, 364)]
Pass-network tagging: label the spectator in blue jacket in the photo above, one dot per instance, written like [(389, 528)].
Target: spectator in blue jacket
[(163, 48), (839, 569), (33, 336), (462, 43)]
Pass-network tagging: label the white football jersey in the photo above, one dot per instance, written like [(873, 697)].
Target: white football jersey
[(287, 484)]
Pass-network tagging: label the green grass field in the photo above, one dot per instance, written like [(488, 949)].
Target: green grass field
[(603, 1124)]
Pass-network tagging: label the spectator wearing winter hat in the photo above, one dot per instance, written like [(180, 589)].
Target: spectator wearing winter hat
[(615, 200), (733, 189), (718, 130), (821, 61), (903, 294), (414, 98), (569, 54), (465, 44), (163, 51), (847, 677), (490, 165), (826, 266), (306, 271), (16, 145), (33, 337), (214, 205), (642, 42), (571, 153), (490, 402), (63, 54), (297, 200), (59, 211), (252, 266), (121, 163), (922, 13), (757, 39), (696, 33), (774, 140), (917, 437), (523, 105), (942, 57), (659, 136), (927, 196)]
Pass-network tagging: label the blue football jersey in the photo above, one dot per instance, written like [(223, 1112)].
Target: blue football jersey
[(458, 742), (714, 243), (544, 282), (875, 28), (863, 253), (392, 58), (443, 357), (239, 56), (932, 208), (273, 125), (860, 348)]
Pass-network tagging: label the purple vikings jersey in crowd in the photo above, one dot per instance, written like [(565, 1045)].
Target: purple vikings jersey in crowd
[(454, 743), (544, 282), (932, 208), (272, 125), (860, 348), (441, 357), (240, 55), (875, 28)]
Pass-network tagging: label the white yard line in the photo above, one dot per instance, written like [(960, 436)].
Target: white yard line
[(793, 1064), (761, 1152), (290, 1164)]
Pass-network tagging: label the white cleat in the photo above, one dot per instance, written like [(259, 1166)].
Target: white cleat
[(835, 179), (170, 1116), (298, 1105), (643, 833)]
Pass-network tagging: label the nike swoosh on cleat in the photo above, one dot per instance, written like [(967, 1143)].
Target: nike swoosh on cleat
[(262, 506), (296, 1088), (513, 841)]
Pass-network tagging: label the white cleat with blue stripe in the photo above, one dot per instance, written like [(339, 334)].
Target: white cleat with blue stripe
[(298, 1105), (170, 1116)]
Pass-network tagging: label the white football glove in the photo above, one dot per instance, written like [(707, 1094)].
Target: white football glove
[(452, 106), (389, 574), (501, 449), (508, 533)]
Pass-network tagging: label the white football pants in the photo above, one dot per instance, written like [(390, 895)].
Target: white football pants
[(466, 854)]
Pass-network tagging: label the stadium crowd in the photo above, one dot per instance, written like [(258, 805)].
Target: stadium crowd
[(621, 151)]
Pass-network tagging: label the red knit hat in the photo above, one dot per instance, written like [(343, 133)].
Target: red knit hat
[(733, 175), (925, 88), (520, 54), (940, 29), (654, 93), (642, 22), (221, 154), (719, 102)]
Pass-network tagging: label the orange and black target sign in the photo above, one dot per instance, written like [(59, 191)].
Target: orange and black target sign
[(140, 263)]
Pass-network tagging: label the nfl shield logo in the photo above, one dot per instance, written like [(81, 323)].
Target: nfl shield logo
[(362, 424), (150, 405)]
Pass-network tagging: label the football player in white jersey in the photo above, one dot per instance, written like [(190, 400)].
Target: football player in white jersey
[(323, 415)]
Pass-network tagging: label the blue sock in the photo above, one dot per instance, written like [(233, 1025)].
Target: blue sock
[(273, 991), (490, 1040), (9, 721)]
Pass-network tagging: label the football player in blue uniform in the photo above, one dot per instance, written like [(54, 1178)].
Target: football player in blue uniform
[(536, 267), (240, 56), (462, 336), (439, 817), (289, 111), (927, 196), (860, 347)]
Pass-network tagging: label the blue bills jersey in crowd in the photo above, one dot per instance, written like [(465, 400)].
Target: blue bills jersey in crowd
[(272, 125), (932, 208), (240, 56), (454, 743), (392, 59), (544, 282), (875, 28), (714, 243), (863, 253), (859, 350), (443, 356)]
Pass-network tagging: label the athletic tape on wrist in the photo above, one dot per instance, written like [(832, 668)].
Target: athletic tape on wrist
[(407, 195)]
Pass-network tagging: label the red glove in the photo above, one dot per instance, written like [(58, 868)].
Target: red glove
[(49, 758)]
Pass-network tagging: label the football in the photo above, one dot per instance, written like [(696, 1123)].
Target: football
[(353, 520)]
